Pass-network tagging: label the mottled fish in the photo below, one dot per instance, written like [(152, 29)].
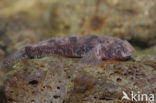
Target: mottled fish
[(105, 48)]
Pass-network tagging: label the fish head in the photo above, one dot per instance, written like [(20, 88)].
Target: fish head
[(120, 50)]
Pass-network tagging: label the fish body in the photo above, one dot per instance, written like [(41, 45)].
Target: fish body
[(104, 47)]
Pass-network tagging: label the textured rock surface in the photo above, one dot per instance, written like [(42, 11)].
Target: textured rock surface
[(35, 20), (39, 81), (54, 80), (2, 54)]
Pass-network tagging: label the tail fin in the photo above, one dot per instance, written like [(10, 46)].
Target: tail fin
[(19, 55)]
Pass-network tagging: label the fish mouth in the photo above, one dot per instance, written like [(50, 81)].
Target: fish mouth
[(129, 47), (130, 50)]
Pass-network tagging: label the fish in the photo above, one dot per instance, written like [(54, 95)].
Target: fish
[(102, 47)]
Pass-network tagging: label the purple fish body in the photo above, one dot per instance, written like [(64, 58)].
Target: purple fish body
[(105, 48)]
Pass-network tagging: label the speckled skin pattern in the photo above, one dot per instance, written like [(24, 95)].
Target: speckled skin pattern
[(104, 47)]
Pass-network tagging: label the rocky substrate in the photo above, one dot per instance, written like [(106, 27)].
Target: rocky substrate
[(65, 80), (23, 22)]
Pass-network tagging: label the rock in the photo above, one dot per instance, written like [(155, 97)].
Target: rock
[(1, 78), (2, 54), (43, 81), (2, 88), (37, 20), (65, 80), (150, 51)]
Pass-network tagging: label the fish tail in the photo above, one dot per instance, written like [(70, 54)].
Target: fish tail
[(17, 56)]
